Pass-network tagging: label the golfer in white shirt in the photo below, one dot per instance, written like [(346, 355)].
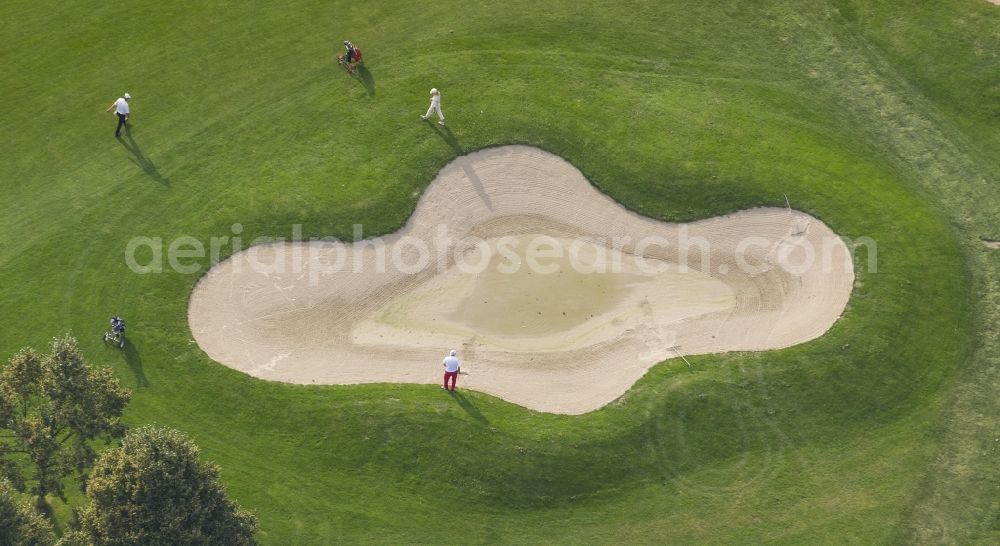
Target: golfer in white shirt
[(121, 109), (435, 106), (451, 368)]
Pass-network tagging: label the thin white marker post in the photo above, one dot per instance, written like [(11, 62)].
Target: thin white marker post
[(675, 348)]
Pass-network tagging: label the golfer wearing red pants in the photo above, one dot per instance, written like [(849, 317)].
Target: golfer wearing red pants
[(451, 367)]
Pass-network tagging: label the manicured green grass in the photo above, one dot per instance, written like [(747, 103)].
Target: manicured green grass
[(879, 119)]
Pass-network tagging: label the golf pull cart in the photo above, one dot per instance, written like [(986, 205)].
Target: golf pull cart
[(351, 59), (117, 333)]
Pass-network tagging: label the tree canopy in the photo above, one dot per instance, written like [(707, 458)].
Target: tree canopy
[(153, 489), (19, 523), (52, 407)]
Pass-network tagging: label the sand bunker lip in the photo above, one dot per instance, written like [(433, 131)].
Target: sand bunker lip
[(568, 339)]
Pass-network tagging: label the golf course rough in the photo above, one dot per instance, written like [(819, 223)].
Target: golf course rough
[(615, 294), (879, 118)]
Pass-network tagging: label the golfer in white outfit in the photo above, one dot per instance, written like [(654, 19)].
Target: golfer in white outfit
[(435, 106), (121, 109), (451, 368)]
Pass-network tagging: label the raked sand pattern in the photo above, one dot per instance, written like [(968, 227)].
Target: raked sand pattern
[(568, 335)]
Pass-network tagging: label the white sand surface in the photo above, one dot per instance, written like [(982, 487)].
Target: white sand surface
[(556, 297)]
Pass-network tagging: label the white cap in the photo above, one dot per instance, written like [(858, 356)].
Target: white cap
[(453, 352), (434, 90), (127, 96)]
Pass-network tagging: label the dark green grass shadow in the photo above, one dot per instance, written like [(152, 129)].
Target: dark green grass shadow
[(468, 406), (134, 361), (444, 132), (366, 79), (140, 159)]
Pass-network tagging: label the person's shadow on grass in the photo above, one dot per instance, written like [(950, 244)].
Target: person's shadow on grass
[(469, 407), (140, 159), (449, 138), (134, 361), (446, 135), (366, 79)]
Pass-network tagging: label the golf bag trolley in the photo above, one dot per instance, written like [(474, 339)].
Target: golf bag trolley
[(117, 333), (351, 59)]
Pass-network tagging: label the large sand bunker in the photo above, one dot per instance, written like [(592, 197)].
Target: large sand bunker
[(556, 297)]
